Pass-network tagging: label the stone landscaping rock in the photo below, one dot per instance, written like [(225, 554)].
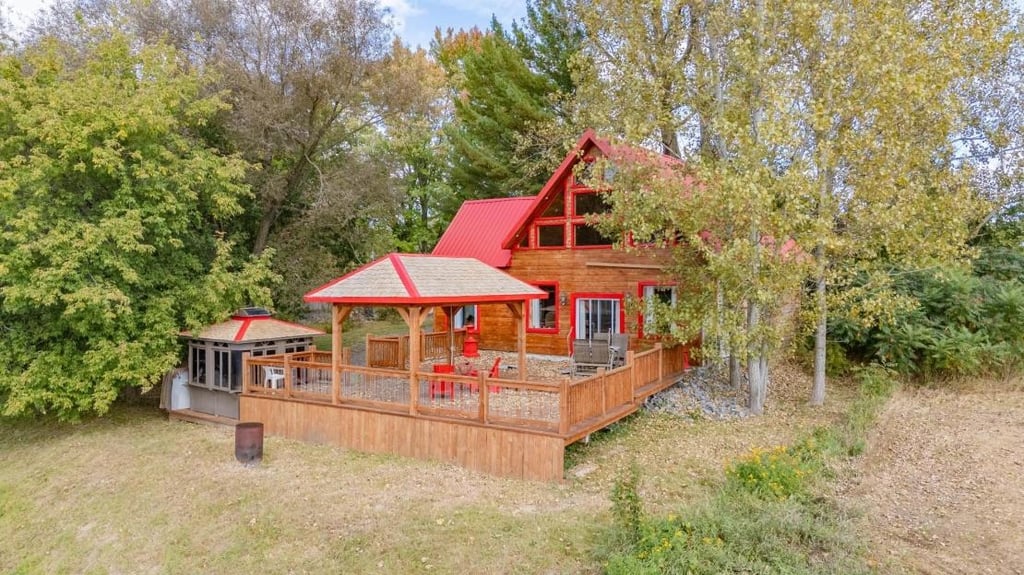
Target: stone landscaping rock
[(702, 392)]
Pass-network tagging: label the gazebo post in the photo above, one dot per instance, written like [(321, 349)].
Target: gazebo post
[(517, 311), (449, 310), (338, 314), (413, 317)]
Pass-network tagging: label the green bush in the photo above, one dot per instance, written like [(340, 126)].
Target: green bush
[(738, 532), (776, 473), (962, 325), (627, 507)]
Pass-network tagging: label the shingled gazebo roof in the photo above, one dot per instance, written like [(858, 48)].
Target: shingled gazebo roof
[(250, 327), (415, 279)]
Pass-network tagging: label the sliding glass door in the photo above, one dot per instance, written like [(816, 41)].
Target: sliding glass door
[(596, 315)]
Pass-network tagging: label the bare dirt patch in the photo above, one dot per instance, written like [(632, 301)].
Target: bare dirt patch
[(942, 481)]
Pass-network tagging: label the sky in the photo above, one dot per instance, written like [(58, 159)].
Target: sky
[(413, 20)]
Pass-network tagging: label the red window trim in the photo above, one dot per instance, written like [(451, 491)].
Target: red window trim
[(565, 239), (640, 296), (580, 192), (594, 295), (558, 309), (575, 246)]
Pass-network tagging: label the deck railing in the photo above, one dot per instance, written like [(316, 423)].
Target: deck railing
[(570, 409), (392, 351)]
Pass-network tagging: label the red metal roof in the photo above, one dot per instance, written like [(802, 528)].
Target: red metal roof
[(417, 279), (480, 226)]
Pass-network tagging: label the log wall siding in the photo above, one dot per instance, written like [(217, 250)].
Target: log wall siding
[(575, 271), (503, 452)]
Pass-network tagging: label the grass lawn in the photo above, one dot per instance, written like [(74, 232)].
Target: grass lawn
[(135, 493)]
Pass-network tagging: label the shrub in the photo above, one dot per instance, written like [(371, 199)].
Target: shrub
[(962, 324), (776, 473), (762, 519)]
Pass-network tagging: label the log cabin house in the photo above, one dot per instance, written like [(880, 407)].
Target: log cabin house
[(566, 282), (545, 240)]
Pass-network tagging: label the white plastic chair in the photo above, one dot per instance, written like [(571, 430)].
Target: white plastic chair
[(273, 376)]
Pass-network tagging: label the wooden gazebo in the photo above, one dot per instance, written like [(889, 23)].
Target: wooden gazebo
[(413, 283)]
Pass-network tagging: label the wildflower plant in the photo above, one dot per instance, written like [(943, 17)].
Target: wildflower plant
[(777, 473)]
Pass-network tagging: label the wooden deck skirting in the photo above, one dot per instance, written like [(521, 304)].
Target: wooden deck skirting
[(503, 427)]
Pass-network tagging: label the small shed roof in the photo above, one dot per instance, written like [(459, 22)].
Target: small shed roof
[(415, 279), (243, 328), (478, 228)]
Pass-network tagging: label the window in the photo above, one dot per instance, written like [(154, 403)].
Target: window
[(465, 316), (221, 369), (583, 172), (197, 363), (236, 370), (588, 235), (655, 296), (551, 236), (556, 208), (596, 315), (544, 312), (590, 203)]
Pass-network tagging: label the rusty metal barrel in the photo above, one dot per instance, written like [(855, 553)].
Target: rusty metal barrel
[(249, 442)]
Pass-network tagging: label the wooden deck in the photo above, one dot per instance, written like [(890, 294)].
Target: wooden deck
[(500, 426)]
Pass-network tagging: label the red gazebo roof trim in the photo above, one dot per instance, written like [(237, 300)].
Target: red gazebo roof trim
[(420, 279)]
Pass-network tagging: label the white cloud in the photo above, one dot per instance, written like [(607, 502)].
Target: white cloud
[(400, 11)]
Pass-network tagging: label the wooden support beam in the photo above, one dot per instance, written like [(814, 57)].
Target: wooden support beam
[(563, 407), (517, 309), (484, 397), (338, 314), (449, 310), (287, 375), (404, 313), (246, 373), (413, 319)]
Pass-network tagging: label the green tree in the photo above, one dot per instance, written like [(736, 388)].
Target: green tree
[(882, 121), (312, 87), (821, 133), (111, 208), (497, 99)]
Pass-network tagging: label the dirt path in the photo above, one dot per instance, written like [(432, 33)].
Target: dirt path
[(942, 483)]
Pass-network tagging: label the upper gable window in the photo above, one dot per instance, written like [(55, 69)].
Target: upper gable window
[(551, 236), (590, 203), (556, 208), (587, 235), (583, 173)]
